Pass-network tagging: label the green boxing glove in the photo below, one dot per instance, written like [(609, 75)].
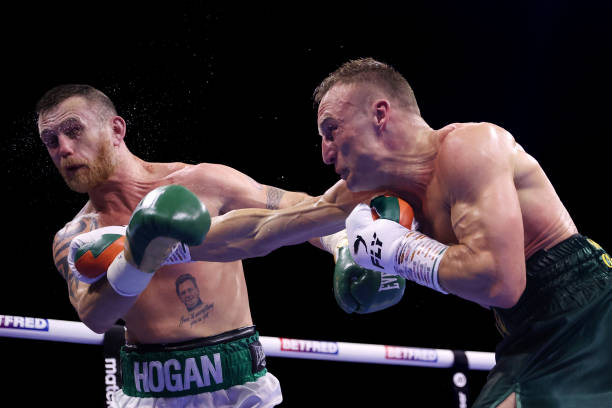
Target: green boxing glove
[(360, 290), (165, 222)]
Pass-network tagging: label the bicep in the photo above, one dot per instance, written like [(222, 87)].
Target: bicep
[(237, 190), (488, 220), (276, 198), (485, 210)]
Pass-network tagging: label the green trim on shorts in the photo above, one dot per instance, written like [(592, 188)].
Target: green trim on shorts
[(190, 372)]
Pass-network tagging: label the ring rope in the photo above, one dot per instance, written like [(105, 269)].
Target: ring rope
[(76, 332)]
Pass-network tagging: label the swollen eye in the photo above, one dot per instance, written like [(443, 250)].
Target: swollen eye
[(71, 128), (50, 141), (72, 132), (329, 133)]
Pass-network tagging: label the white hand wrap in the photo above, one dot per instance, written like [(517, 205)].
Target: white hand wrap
[(332, 243), (127, 280), (389, 247)]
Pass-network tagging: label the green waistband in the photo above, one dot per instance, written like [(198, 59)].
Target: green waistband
[(174, 373), (566, 277)]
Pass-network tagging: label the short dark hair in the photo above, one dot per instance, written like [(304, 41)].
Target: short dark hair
[(368, 70), (60, 93), (184, 278)]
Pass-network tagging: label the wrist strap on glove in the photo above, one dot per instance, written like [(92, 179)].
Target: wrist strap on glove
[(418, 258), (127, 280)]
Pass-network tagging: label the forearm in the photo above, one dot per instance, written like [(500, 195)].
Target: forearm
[(484, 269), (479, 277), (249, 233), (99, 306)]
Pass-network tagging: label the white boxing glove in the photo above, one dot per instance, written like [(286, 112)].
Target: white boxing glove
[(386, 246)]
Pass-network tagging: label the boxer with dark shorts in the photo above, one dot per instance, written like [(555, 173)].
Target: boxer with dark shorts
[(492, 231)]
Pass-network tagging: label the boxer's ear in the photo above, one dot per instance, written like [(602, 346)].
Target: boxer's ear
[(118, 127), (380, 110)]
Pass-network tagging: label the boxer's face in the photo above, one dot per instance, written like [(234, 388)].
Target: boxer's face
[(79, 142), (349, 142)]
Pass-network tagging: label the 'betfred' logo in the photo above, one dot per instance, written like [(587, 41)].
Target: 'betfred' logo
[(410, 354), (309, 346), (20, 322)]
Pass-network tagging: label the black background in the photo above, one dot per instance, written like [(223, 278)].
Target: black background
[(233, 84)]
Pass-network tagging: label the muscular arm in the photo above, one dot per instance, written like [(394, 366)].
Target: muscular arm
[(487, 265), (235, 190), (97, 305), (248, 233)]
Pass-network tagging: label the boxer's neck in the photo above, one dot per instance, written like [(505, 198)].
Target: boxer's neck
[(123, 190)]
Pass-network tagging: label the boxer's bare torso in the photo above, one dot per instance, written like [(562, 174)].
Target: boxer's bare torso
[(85, 140), (492, 203), (198, 299), (546, 222), (160, 315)]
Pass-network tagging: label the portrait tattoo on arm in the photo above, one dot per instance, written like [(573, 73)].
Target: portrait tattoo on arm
[(188, 292), (273, 197)]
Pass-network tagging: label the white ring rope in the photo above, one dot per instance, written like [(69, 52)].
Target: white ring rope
[(76, 332)]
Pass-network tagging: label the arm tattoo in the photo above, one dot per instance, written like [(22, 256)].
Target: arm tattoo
[(273, 197), (61, 245), (62, 266)]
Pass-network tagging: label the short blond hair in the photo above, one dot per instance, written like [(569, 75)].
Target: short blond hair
[(60, 93), (370, 71)]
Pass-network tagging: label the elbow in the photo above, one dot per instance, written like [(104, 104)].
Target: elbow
[(95, 325), (505, 293)]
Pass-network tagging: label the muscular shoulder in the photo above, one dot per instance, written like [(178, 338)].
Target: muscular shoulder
[(83, 222), (225, 186), (470, 135), (474, 143), (211, 174), (474, 151)]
